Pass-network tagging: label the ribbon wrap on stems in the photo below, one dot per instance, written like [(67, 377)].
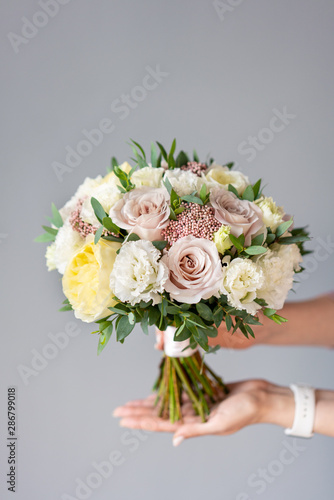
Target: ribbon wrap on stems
[(183, 371)]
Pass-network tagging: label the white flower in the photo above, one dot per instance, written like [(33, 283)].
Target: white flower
[(83, 191), (183, 181), (137, 274), (148, 176), (241, 280), (50, 257), (272, 214), (219, 176), (221, 238), (67, 243), (278, 266), (107, 194)]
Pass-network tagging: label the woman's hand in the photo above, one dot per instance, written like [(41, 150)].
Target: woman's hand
[(248, 402)]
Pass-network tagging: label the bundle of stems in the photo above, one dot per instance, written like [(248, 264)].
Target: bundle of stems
[(188, 375)]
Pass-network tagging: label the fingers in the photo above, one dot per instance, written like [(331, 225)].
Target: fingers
[(194, 429), (154, 424), (159, 340)]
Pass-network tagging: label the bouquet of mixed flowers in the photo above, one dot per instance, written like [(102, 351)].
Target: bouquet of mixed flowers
[(178, 244)]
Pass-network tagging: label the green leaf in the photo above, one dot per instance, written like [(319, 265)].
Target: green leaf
[(255, 250), (192, 199), (139, 147), (98, 234), (229, 322), (144, 323), (68, 307), (229, 165), (268, 311), (160, 245), (50, 230), (45, 238), (256, 189), (288, 240), (218, 316), (248, 194), (171, 161), (278, 319), (202, 193), (132, 237), (233, 190), (261, 302), (182, 159), (123, 328), (195, 156), (154, 156), (182, 333), (283, 227), (163, 151), (131, 318), (104, 338), (120, 309), (56, 217), (110, 226), (204, 311), (153, 316), (98, 209), (112, 238), (168, 185), (270, 238), (235, 241), (172, 214), (258, 240), (114, 162)]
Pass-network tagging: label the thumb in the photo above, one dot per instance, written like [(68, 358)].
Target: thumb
[(193, 430)]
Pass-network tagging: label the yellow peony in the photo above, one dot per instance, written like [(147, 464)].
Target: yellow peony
[(86, 280)]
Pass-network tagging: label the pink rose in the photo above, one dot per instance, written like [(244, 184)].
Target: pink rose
[(195, 270), (244, 217), (144, 211)]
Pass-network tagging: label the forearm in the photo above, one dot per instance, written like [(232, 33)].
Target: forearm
[(278, 407), (309, 323)]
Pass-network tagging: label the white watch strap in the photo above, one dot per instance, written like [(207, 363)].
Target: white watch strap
[(304, 411)]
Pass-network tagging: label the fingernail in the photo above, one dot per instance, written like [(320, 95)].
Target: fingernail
[(178, 440), (115, 413)]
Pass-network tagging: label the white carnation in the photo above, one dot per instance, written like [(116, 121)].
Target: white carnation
[(219, 176), (278, 266), (242, 278), (148, 176), (50, 257), (67, 243), (138, 274), (272, 214), (183, 181)]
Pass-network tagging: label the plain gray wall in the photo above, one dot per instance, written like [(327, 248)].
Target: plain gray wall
[(229, 72)]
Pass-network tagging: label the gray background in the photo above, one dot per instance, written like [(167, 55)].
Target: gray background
[(226, 75)]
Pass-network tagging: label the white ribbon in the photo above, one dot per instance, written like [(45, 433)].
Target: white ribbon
[(173, 348)]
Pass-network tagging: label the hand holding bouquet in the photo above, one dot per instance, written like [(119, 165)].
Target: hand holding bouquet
[(181, 245)]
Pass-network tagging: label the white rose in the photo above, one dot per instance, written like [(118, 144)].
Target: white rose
[(272, 214), (147, 176), (278, 266), (219, 176), (138, 274), (67, 243), (50, 257), (242, 278), (183, 181)]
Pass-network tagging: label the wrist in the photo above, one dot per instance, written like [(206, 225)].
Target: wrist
[(278, 406)]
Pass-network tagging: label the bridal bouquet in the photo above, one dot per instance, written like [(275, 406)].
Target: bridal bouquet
[(178, 244)]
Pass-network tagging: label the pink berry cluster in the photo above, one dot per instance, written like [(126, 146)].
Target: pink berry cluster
[(82, 227), (195, 167), (196, 220)]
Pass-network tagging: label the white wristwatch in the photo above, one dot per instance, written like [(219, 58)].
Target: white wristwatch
[(304, 411)]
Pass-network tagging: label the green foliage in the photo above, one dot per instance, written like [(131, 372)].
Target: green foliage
[(50, 233)]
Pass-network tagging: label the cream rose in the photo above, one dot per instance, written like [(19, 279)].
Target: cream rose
[(219, 176), (221, 239), (86, 280), (243, 216), (144, 211), (147, 176), (195, 270)]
